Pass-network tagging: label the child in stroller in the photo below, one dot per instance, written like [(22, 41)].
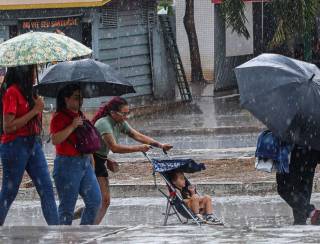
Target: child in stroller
[(201, 206)]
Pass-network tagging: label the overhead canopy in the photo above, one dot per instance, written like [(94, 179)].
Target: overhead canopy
[(254, 1), (46, 4)]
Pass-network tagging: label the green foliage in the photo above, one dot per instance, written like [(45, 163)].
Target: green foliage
[(167, 5), (294, 19), (233, 13)]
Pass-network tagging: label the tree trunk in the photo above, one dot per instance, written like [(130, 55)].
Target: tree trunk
[(188, 20)]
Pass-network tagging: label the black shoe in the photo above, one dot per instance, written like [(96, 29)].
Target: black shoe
[(198, 218)]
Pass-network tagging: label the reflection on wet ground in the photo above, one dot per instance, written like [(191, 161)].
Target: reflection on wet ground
[(234, 210), (203, 113), (248, 219), (195, 146), (142, 234), (208, 128)]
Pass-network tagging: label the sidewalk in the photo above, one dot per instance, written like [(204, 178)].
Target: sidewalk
[(223, 177)]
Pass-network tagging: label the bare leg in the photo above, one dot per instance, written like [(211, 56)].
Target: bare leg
[(105, 193), (207, 211), (206, 204), (193, 204)]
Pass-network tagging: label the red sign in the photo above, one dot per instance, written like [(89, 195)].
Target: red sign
[(253, 1), (52, 23)]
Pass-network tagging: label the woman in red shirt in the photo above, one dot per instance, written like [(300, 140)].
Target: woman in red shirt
[(21, 148), (73, 172)]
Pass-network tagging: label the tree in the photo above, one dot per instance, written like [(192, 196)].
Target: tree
[(294, 19), (195, 58), (233, 13), (298, 22)]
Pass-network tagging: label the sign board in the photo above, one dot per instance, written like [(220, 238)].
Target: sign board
[(70, 26), (49, 23)]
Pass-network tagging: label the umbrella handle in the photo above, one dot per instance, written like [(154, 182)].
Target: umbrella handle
[(312, 77), (37, 74)]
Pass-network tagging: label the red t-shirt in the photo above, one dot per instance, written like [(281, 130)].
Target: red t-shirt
[(60, 121), (15, 104)]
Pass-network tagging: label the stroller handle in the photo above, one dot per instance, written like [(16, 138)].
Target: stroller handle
[(163, 151)]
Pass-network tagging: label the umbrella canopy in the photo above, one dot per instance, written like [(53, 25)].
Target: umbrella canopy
[(95, 79), (39, 48), (185, 165), (284, 94)]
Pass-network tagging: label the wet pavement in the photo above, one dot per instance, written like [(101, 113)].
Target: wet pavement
[(236, 211), (195, 146), (156, 234), (248, 219), (205, 129), (203, 113), (142, 234)]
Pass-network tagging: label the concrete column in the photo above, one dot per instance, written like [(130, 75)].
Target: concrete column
[(163, 73)]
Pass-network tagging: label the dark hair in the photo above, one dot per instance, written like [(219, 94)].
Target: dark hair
[(115, 104), (22, 76), (173, 175), (64, 92)]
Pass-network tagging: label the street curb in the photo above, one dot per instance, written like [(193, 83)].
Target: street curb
[(218, 189), (149, 190)]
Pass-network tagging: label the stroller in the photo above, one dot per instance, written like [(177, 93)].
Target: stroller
[(175, 204)]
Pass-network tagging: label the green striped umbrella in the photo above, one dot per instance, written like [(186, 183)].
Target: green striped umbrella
[(40, 48)]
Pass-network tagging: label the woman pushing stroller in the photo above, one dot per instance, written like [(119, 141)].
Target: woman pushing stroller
[(111, 121)]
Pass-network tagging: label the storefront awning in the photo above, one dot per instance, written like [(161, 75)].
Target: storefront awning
[(47, 4), (253, 1)]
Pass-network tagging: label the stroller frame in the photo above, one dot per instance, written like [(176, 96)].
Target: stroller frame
[(171, 198)]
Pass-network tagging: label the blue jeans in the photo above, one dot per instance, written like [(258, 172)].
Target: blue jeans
[(25, 153), (74, 176)]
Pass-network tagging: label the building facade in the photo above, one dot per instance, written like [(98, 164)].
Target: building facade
[(220, 49), (122, 33)]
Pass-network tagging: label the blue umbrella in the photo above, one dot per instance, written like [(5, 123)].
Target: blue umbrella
[(185, 165)]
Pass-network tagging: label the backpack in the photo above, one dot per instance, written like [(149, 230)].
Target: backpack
[(88, 137)]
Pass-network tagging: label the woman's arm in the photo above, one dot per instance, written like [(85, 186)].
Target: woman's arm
[(62, 135), (118, 148), (11, 123), (136, 135)]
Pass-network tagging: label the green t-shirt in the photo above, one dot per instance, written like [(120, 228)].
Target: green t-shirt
[(106, 125)]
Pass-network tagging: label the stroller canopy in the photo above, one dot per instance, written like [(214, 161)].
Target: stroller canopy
[(185, 165)]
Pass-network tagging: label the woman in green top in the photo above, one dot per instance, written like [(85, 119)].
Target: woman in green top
[(110, 121)]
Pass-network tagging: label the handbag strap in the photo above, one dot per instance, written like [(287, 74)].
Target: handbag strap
[(68, 138)]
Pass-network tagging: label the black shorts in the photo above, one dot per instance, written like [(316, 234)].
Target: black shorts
[(100, 167)]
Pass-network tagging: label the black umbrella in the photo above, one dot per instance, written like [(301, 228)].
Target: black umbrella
[(284, 94), (96, 79), (185, 165)]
